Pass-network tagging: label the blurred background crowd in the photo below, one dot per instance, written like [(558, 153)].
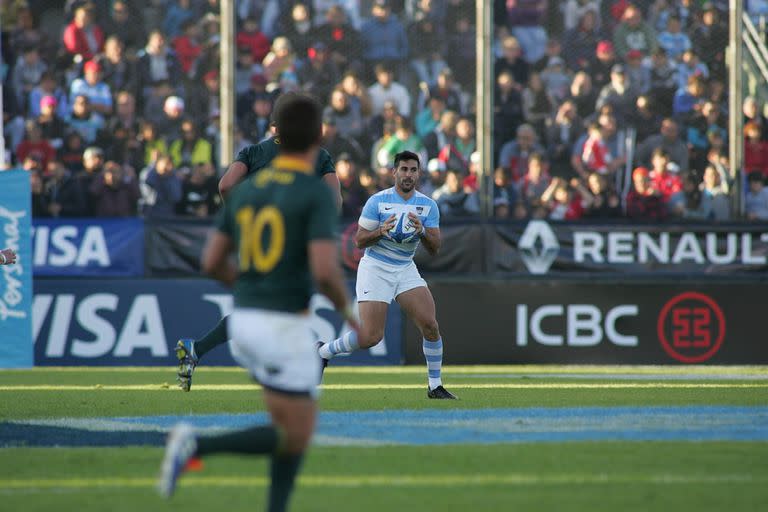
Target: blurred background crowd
[(602, 109)]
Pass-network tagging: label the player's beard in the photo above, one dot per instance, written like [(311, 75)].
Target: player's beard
[(407, 184)]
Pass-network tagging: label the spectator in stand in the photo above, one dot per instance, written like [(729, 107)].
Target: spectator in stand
[(673, 39), (556, 79), (380, 127), (386, 89), (633, 33), (447, 88), (337, 144), (434, 178), (456, 154), (453, 201), (575, 10), (504, 194), (70, 154), (643, 202), (561, 201), (526, 18), (690, 202), (257, 89), (753, 114), (341, 38), (756, 199), (27, 73), (151, 143), (716, 187), (515, 153), (179, 12), (319, 75), (580, 42), (188, 47), (595, 155), (663, 81), (755, 149), (704, 123), (35, 145), (645, 119), (191, 149), (600, 70), (82, 37), (669, 141), (171, 117), (51, 125), (402, 140), (619, 93), (349, 120), (600, 199), (664, 181), (689, 100), (690, 66), (538, 102), (250, 35), (461, 48), (280, 59), (582, 94), (93, 165), (353, 196), (638, 74), (158, 64), (199, 192), (27, 34), (160, 187), (428, 43), (429, 118), (535, 181), (357, 93), (119, 72), (91, 85), (86, 122), (298, 30), (122, 25), (384, 39), (562, 131), (709, 38), (115, 192), (256, 123), (245, 68), (513, 63), (507, 109), (553, 50), (443, 133), (48, 87), (64, 196)]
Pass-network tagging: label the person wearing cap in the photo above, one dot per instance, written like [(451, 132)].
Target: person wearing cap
[(643, 203), (383, 38), (638, 73), (48, 87), (52, 126), (619, 93), (91, 85), (319, 74), (600, 68), (580, 42), (634, 33)]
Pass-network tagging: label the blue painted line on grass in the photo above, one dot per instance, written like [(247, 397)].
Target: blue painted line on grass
[(426, 427)]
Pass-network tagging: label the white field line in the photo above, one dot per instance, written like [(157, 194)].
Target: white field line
[(360, 387), (449, 480), (417, 369)]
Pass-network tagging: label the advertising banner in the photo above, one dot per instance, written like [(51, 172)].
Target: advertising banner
[(89, 247), (98, 322), (16, 279), (546, 248), (580, 322)]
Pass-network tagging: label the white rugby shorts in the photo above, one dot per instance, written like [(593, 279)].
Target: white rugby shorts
[(277, 348), (380, 282)]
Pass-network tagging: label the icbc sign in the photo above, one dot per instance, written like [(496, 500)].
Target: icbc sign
[(691, 327)]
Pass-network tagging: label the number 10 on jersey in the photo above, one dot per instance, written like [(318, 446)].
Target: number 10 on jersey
[(257, 252)]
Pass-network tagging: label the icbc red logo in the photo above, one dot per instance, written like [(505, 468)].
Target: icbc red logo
[(691, 327)]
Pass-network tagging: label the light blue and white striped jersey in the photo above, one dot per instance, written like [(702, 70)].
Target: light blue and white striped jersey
[(399, 248)]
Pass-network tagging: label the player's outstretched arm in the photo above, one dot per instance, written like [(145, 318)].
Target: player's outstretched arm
[(7, 257), (234, 175), (216, 262), (329, 279)]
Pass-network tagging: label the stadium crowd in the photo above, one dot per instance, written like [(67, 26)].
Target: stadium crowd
[(603, 109)]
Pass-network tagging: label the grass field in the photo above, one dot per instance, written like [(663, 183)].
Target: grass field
[(519, 438)]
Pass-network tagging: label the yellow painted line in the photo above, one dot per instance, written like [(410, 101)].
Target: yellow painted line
[(418, 369), (326, 481), (360, 387)]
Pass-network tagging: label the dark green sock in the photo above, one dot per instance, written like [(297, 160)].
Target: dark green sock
[(215, 337), (252, 441), (284, 471)]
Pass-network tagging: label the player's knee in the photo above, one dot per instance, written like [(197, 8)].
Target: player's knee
[(430, 330), (295, 441)]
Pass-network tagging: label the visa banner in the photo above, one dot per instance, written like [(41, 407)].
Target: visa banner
[(16, 280), (89, 247), (115, 322)]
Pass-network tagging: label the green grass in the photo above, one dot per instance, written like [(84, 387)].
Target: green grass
[(581, 476)]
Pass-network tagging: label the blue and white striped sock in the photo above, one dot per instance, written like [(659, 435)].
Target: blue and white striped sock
[(433, 352), (347, 343)]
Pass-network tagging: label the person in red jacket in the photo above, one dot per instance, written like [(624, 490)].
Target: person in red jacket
[(253, 38), (35, 145), (82, 36), (755, 149), (663, 181)]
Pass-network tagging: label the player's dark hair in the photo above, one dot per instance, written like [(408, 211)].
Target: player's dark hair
[(406, 155), (298, 118)]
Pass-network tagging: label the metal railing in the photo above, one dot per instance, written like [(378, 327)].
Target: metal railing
[(756, 59)]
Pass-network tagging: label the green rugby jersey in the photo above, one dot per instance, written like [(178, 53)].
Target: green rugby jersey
[(272, 216), (258, 156)]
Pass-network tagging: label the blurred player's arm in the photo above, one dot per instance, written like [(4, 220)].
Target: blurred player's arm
[(328, 277), (7, 257), (235, 173), (216, 262), (368, 234), (332, 181)]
